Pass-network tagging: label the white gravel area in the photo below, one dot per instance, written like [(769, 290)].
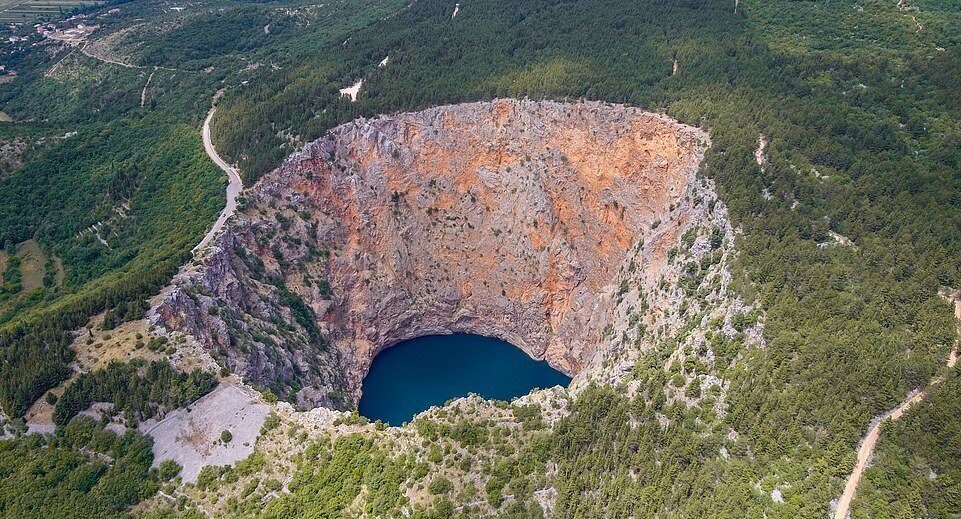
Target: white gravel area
[(191, 436), (352, 90)]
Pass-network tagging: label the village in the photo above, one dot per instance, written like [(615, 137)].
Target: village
[(72, 31)]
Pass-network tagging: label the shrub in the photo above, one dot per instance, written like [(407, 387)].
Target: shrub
[(440, 485)]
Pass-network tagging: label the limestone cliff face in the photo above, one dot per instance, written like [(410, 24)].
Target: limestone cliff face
[(512, 219)]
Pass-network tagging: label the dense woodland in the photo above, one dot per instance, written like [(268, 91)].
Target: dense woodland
[(864, 127), (137, 390), (85, 471), (918, 469)]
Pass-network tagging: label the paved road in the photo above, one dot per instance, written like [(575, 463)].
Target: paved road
[(234, 184)]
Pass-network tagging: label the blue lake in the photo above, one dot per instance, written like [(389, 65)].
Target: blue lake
[(416, 374)]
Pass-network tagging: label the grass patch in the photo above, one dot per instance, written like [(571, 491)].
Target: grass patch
[(32, 262)]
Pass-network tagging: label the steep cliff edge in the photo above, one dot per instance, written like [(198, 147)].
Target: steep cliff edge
[(512, 219)]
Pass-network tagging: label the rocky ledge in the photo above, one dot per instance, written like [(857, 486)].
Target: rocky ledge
[(513, 219)]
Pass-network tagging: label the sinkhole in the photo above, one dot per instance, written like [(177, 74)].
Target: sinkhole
[(540, 223)]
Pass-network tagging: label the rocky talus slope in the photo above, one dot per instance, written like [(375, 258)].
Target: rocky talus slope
[(557, 227)]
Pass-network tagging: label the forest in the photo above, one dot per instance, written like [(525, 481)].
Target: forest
[(137, 390), (863, 123), (139, 181), (85, 471), (918, 472), (862, 323)]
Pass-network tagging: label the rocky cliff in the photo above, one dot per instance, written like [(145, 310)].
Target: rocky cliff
[(512, 219)]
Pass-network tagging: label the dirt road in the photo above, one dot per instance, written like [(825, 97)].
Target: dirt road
[(234, 184), (143, 93), (105, 59), (871, 439)]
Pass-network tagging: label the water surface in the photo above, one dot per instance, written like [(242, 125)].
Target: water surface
[(416, 374)]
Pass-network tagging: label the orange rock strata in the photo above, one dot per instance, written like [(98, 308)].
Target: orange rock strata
[(509, 218)]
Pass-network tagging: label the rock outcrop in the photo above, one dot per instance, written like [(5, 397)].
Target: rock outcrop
[(512, 219)]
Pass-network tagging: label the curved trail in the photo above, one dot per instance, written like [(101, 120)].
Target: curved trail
[(143, 93), (871, 439), (234, 184), (83, 49)]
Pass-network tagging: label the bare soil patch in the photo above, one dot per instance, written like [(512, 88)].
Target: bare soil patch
[(39, 417), (191, 436)]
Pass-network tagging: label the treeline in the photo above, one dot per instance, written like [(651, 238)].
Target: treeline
[(125, 311), (136, 389), (35, 351), (11, 276)]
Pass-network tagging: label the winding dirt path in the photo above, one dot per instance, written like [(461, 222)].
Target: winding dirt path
[(112, 61), (143, 93), (234, 184), (871, 439), (105, 59)]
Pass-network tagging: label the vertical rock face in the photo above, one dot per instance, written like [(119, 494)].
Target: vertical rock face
[(511, 219)]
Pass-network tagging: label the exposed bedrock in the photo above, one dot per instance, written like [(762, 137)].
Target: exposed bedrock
[(512, 219)]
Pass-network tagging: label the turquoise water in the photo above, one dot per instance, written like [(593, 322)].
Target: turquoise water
[(416, 374)]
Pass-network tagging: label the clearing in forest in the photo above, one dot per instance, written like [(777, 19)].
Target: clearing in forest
[(31, 265), (27, 271), (96, 347)]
